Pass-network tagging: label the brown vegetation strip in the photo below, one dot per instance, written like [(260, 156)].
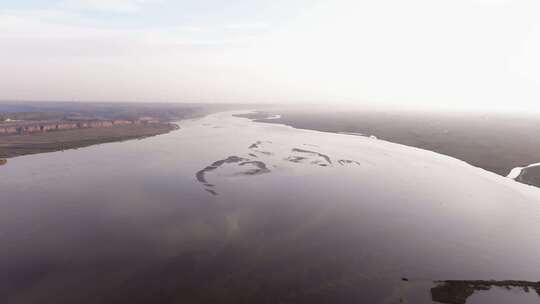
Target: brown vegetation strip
[(17, 145)]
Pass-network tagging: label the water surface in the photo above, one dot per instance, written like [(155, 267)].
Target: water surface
[(226, 210)]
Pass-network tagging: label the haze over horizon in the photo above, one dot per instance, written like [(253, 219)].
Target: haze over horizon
[(473, 54)]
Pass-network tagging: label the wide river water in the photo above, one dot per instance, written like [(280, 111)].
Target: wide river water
[(226, 210)]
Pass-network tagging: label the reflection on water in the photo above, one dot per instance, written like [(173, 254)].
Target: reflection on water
[(333, 219)]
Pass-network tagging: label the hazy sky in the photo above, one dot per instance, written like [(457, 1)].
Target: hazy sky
[(441, 53)]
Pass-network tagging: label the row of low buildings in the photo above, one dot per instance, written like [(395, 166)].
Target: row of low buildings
[(28, 127)]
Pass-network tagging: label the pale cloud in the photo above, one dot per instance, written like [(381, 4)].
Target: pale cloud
[(492, 2), (47, 24), (45, 35), (420, 53), (248, 26), (417, 53), (115, 6), (191, 28)]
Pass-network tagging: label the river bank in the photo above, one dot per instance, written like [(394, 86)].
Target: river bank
[(18, 145), (498, 143)]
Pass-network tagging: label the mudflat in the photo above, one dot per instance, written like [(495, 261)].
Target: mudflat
[(17, 145)]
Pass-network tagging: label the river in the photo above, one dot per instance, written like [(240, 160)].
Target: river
[(226, 210)]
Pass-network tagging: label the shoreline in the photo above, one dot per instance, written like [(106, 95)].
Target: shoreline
[(469, 157), (12, 146)]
